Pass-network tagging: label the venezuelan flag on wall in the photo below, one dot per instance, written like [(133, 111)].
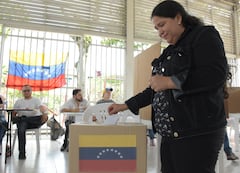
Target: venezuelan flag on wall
[(107, 153), (40, 71)]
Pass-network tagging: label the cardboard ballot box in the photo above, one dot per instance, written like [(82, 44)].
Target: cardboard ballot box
[(234, 99), (107, 148)]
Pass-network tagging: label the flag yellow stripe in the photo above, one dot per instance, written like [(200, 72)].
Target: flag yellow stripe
[(37, 59), (107, 140)]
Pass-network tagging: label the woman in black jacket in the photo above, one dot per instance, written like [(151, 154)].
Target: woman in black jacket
[(186, 91)]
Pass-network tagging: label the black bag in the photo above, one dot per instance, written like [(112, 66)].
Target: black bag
[(56, 129)]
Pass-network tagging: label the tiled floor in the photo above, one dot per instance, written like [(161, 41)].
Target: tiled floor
[(51, 160)]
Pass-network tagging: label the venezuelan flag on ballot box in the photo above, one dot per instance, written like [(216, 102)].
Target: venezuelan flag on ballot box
[(107, 153), (40, 71)]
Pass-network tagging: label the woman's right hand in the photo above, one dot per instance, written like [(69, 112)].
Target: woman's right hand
[(115, 108)]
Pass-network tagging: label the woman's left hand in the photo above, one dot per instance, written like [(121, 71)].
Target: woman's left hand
[(160, 83)]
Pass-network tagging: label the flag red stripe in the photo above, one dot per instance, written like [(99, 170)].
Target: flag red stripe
[(37, 85), (107, 165)]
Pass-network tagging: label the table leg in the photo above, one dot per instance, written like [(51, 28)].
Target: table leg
[(9, 128)]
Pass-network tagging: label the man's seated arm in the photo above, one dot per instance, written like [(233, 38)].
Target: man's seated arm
[(44, 111)]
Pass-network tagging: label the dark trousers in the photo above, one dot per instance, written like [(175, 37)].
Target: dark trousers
[(3, 127), (24, 123), (196, 154), (67, 123)]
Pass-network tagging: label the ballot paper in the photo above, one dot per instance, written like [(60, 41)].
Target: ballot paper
[(112, 119)]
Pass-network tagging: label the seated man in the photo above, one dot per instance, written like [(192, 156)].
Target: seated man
[(34, 116), (76, 104)]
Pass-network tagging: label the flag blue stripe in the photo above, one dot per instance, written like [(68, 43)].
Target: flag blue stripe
[(36, 72), (107, 153)]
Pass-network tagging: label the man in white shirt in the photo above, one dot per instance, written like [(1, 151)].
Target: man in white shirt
[(76, 104), (33, 115)]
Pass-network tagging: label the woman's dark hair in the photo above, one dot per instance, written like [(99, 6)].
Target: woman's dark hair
[(75, 91), (170, 8)]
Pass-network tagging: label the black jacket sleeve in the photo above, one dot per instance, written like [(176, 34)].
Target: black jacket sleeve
[(140, 100)]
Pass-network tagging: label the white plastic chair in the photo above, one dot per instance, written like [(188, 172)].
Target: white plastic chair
[(37, 134)]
